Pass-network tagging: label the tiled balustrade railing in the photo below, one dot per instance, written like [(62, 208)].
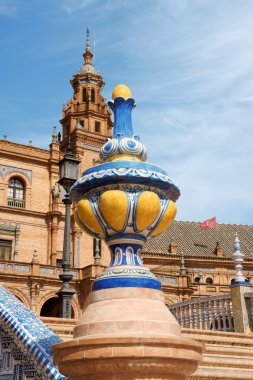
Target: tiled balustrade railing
[(205, 313)]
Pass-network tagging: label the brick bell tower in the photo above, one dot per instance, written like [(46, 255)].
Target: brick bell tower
[(86, 117)]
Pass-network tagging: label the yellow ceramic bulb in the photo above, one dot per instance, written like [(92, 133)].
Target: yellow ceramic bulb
[(87, 216), (147, 210), (167, 219), (121, 90), (114, 208)]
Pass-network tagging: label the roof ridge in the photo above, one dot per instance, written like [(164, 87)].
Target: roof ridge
[(226, 224)]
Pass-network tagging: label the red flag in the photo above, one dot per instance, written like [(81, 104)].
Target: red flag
[(209, 223)]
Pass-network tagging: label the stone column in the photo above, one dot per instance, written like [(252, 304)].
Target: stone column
[(54, 218), (17, 233), (54, 231), (76, 237)]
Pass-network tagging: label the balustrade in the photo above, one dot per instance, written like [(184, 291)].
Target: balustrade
[(18, 203), (84, 107), (206, 313)]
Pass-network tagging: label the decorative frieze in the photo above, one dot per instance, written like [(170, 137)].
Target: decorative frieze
[(6, 169), (22, 268), (167, 280)]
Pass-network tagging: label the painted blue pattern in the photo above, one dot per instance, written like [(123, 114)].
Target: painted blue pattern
[(122, 109), (124, 282), (139, 174), (5, 169), (126, 269), (146, 167), (128, 145), (30, 335)]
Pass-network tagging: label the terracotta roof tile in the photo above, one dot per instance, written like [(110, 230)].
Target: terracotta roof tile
[(192, 241)]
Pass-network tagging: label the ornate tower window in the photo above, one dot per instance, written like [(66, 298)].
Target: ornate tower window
[(97, 126), (84, 95), (92, 95), (16, 192), (5, 249)]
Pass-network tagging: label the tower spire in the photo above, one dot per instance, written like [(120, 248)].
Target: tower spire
[(87, 55), (87, 40)]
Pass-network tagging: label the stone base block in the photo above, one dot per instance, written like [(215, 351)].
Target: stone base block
[(127, 334)]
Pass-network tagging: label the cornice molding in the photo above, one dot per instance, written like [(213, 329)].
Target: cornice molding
[(22, 211)]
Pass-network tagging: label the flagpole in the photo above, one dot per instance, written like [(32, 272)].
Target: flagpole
[(94, 49)]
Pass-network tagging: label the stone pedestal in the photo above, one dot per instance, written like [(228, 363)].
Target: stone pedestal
[(127, 334), (240, 312)]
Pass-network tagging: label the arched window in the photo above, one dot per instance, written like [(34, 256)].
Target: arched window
[(197, 279), (84, 95), (209, 280), (97, 127), (92, 95), (16, 193), (52, 307)]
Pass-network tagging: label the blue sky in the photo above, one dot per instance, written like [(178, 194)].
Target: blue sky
[(189, 64)]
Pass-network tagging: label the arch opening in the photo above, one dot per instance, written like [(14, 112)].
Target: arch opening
[(52, 307), (92, 95)]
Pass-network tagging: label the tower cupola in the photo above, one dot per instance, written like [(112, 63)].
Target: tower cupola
[(88, 67), (88, 72)]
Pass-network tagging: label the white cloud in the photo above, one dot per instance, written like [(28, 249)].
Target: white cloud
[(95, 7), (72, 6)]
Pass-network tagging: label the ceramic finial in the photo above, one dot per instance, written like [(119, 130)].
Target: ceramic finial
[(238, 260)]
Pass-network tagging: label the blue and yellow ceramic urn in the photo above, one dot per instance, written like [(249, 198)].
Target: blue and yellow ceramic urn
[(125, 200)]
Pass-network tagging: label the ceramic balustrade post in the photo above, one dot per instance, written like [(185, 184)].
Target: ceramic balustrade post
[(126, 331), (192, 316), (198, 315), (229, 314), (223, 315), (212, 315)]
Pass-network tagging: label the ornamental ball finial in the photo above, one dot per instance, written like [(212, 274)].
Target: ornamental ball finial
[(121, 90)]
